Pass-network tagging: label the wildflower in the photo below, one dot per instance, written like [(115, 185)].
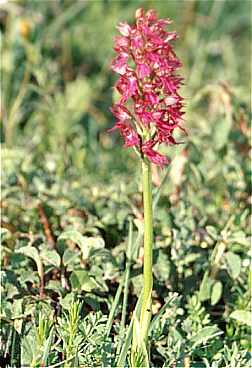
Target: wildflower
[(147, 65), (24, 28), (152, 155)]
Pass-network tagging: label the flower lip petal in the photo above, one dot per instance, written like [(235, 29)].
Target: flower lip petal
[(124, 29), (153, 156), (129, 134), (170, 100), (122, 41)]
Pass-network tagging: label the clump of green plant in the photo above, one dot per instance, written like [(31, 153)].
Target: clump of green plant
[(152, 86)]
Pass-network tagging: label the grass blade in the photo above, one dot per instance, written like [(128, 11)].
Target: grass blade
[(15, 350), (132, 257), (76, 360), (126, 284), (139, 353), (162, 310), (126, 346), (113, 308), (47, 348)]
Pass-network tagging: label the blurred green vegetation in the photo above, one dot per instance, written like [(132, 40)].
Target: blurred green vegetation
[(62, 170)]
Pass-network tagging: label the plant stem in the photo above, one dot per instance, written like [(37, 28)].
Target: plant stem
[(126, 285), (148, 240), (68, 349), (19, 99), (34, 360)]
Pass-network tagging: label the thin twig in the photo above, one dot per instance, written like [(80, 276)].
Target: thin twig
[(46, 225)]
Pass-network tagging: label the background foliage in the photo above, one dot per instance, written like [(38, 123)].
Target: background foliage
[(71, 195)]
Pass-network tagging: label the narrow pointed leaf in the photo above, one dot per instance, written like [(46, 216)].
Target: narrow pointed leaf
[(47, 348)]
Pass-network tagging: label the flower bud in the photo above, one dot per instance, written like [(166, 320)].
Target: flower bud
[(151, 15), (139, 13), (24, 28)]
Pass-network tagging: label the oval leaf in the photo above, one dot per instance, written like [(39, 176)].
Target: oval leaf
[(242, 316), (80, 280), (84, 243), (205, 287), (29, 251), (52, 258), (69, 257), (73, 235), (234, 264), (216, 292)]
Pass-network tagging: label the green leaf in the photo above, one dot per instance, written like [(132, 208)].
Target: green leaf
[(234, 264), (5, 321), (31, 276), (77, 97), (61, 246), (15, 350), (29, 251), (205, 287), (47, 348), (242, 316), (79, 279), (4, 248), (170, 299), (56, 286), (83, 242), (212, 231), (192, 257), (216, 292), (205, 334), (53, 258), (3, 230), (69, 257), (94, 242), (74, 236), (221, 130), (76, 360), (91, 243), (67, 301), (92, 300), (28, 348), (126, 346), (30, 309), (114, 307), (162, 267), (139, 353)]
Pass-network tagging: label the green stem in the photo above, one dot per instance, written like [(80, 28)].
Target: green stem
[(34, 360), (18, 101), (68, 350), (148, 240), (126, 285)]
